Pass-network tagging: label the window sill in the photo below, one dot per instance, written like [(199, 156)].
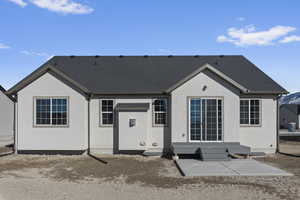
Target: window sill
[(160, 125), (51, 126), (249, 125), (106, 126)]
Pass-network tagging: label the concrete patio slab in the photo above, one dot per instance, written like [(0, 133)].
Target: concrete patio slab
[(251, 167), (191, 167), (243, 167)]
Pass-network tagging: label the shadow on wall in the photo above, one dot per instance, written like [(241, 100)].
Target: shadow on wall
[(166, 136)]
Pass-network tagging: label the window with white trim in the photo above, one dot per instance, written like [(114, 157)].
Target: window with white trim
[(107, 112), (250, 111), (51, 111), (160, 108)]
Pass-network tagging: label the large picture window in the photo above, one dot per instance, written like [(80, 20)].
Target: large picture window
[(107, 112), (160, 112), (250, 111), (51, 111)]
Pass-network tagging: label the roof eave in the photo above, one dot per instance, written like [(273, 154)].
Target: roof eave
[(28, 79), (6, 94), (38, 73), (130, 93), (268, 92)]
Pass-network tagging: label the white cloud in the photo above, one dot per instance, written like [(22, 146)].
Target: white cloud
[(248, 35), (164, 51), (292, 38), (33, 53), (39, 54), (4, 46), (240, 19), (63, 6), (19, 2)]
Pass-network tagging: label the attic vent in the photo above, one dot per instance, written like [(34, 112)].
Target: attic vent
[(72, 56), (146, 56), (97, 56), (221, 56), (216, 63), (121, 56), (196, 56), (170, 56)]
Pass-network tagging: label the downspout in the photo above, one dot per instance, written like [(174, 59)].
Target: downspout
[(15, 150), (89, 124), (277, 124)]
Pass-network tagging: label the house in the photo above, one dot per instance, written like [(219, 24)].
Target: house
[(6, 118), (289, 113), (113, 104)]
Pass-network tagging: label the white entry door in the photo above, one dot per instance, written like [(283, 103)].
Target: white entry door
[(205, 119), (133, 130)]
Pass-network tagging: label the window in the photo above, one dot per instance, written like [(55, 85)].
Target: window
[(250, 112), (107, 112), (205, 119), (51, 111), (160, 112)]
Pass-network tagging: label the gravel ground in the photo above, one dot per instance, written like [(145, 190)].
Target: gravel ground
[(135, 177)]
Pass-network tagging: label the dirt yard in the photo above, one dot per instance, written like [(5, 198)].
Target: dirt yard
[(135, 177)]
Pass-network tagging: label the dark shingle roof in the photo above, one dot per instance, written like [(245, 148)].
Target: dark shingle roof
[(156, 74)]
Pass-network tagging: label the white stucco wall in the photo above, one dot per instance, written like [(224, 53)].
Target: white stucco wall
[(263, 137), (102, 138), (260, 138), (133, 137), (6, 117), (193, 88), (73, 137)]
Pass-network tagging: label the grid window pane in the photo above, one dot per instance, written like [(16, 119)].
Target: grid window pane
[(160, 105), (254, 111), (160, 111), (220, 117), (51, 111), (43, 111), (195, 115), (107, 112), (59, 111), (107, 118), (244, 112), (250, 111), (211, 120), (107, 105)]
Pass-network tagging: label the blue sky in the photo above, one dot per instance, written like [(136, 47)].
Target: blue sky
[(266, 32)]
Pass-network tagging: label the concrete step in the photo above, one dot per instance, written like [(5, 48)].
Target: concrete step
[(210, 147), (209, 150), (214, 156), (214, 153)]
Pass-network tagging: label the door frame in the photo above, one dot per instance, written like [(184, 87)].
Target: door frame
[(189, 121)]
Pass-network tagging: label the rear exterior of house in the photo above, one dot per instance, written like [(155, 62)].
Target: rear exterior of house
[(6, 118), (115, 104)]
